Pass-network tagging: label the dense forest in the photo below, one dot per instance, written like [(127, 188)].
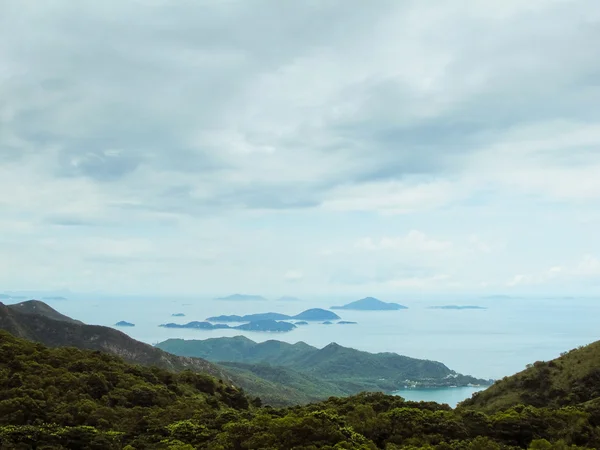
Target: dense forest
[(65, 398)]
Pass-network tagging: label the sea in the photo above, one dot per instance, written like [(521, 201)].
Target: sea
[(489, 343)]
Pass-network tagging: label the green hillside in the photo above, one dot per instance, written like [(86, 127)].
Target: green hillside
[(350, 371), (65, 398), (47, 326), (571, 379)]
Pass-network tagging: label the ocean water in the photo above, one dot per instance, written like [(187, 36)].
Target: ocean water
[(451, 396), (491, 343)]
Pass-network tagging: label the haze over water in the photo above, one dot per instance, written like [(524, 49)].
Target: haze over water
[(491, 343)]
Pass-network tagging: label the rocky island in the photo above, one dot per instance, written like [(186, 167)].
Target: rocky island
[(258, 325), (371, 304), (314, 314), (196, 325), (122, 323), (288, 298), (178, 315), (346, 322)]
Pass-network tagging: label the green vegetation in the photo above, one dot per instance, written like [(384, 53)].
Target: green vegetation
[(572, 379), (65, 398), (47, 326), (371, 304), (315, 373)]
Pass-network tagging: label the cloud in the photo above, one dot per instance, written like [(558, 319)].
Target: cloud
[(185, 126), (587, 268), (293, 275), (413, 241)]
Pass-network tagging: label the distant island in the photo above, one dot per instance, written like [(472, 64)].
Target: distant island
[(54, 298), (327, 322), (196, 325), (346, 322), (302, 322), (259, 325), (242, 298), (122, 323), (371, 304), (314, 314), (267, 325), (178, 315), (457, 307), (249, 317), (287, 298)]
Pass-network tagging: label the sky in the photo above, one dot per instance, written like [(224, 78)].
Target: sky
[(344, 147)]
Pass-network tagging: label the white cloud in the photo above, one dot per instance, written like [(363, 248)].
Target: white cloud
[(588, 267), (414, 241), (180, 145), (293, 275)]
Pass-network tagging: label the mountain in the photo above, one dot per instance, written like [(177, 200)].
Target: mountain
[(196, 325), (36, 321), (371, 304), (309, 314), (249, 317), (570, 380), (287, 298), (40, 308), (267, 325), (242, 297), (66, 398), (316, 314), (257, 325), (351, 371)]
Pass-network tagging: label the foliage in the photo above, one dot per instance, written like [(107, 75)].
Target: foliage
[(299, 373), (571, 379), (64, 398)]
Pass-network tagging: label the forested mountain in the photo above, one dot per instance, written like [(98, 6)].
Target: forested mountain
[(40, 323), (350, 371), (65, 398), (572, 379), (277, 374)]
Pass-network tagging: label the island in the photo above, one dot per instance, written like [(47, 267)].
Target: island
[(287, 298), (371, 304), (249, 317), (242, 297), (259, 325), (267, 325), (54, 298), (122, 323), (302, 322), (457, 307), (314, 314), (178, 315), (346, 322), (196, 325), (327, 322)]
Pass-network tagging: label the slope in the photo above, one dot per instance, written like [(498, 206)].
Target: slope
[(350, 370), (41, 327), (41, 308), (65, 398), (571, 379)]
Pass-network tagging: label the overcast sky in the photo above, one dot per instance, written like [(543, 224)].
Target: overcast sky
[(300, 147)]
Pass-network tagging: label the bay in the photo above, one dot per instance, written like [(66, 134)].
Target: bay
[(450, 396), (488, 343)]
